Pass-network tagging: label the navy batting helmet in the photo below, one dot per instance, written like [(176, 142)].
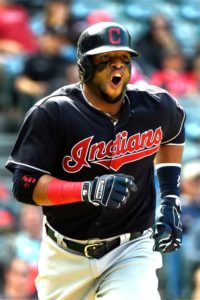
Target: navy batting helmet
[(100, 38)]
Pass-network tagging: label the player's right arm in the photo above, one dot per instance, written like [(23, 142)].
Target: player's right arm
[(111, 190), (34, 159), (40, 192)]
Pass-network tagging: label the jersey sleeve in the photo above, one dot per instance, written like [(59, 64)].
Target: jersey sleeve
[(174, 132), (171, 114), (36, 147)]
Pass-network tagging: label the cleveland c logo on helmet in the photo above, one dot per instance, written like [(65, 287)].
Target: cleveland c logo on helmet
[(112, 35), (101, 37)]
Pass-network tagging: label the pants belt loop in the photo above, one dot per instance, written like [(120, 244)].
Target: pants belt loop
[(124, 238), (59, 239)]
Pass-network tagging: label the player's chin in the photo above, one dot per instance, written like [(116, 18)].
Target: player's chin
[(114, 98), (114, 93), (118, 94)]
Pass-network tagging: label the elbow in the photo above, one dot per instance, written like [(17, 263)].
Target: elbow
[(22, 196), (23, 187)]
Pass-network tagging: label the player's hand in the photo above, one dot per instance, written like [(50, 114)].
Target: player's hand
[(168, 228), (110, 190)]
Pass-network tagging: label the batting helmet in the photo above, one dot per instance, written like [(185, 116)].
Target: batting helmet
[(100, 38)]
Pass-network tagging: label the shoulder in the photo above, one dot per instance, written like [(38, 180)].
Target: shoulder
[(54, 104), (146, 88), (155, 94), (66, 93)]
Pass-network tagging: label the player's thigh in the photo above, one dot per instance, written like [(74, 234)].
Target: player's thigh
[(133, 282), (63, 275), (133, 276)]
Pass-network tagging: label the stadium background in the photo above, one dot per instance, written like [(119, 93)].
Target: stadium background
[(29, 69)]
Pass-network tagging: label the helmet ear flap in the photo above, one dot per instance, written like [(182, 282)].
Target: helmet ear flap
[(86, 68)]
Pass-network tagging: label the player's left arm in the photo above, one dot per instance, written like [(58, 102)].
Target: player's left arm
[(168, 227)]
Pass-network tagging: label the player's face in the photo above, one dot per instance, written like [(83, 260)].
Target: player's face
[(112, 73)]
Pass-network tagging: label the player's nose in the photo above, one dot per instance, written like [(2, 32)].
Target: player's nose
[(117, 63)]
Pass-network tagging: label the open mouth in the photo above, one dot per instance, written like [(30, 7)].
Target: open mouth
[(116, 79)]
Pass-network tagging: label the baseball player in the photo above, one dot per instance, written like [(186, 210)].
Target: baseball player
[(86, 154)]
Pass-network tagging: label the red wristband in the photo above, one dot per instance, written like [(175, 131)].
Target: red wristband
[(64, 192)]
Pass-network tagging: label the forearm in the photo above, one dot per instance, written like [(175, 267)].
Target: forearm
[(52, 191), (40, 192), (41, 189), (168, 165), (10, 46), (28, 86)]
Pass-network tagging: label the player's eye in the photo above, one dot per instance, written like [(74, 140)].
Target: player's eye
[(105, 58), (126, 59)]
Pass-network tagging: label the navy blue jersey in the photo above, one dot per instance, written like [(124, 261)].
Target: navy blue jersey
[(64, 136)]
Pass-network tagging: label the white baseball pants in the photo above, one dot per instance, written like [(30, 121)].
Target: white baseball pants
[(126, 273)]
